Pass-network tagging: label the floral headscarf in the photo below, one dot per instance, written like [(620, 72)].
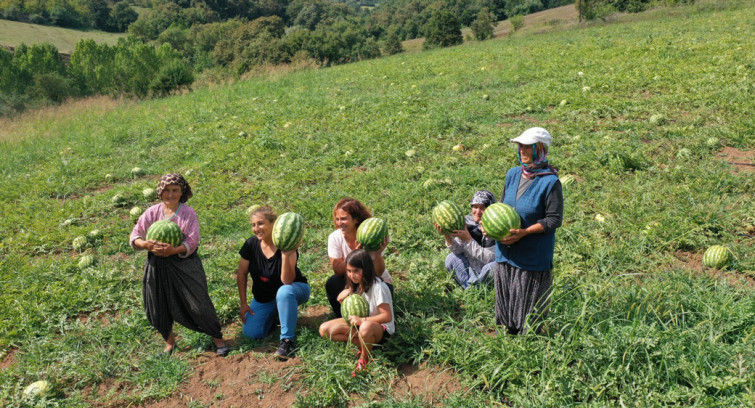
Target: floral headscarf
[(539, 165), (177, 179)]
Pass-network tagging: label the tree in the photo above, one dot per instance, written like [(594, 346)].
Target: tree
[(121, 16), (442, 30), (483, 25), (393, 43)]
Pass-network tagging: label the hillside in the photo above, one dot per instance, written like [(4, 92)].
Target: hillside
[(13, 33), (652, 118)]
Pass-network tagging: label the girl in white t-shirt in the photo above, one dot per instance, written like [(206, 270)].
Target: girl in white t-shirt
[(347, 215), (378, 325)]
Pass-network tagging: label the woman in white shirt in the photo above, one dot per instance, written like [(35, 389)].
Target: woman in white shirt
[(347, 215)]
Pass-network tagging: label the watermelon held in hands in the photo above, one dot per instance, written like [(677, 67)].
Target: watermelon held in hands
[(371, 233), (498, 219), (448, 216), (354, 305), (167, 232), (288, 231), (717, 256)]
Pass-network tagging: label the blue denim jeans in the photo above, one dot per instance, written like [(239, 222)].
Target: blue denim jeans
[(286, 303), (464, 275)]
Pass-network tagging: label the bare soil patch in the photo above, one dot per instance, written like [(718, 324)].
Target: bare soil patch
[(8, 359), (431, 384), (741, 160)]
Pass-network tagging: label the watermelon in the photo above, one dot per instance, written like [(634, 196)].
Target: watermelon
[(149, 193), (354, 305), (95, 234), (137, 171), (39, 389), (80, 243), (567, 179), (288, 231), (119, 200), (135, 212), (165, 231), (717, 256), (448, 216), (498, 219), (86, 261), (371, 233)]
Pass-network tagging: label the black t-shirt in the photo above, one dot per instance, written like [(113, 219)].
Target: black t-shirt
[(265, 272)]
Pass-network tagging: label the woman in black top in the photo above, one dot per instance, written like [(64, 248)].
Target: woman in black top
[(278, 285)]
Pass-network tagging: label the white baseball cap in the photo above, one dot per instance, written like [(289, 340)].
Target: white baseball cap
[(534, 135)]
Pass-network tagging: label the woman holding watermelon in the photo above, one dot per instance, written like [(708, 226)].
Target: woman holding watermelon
[(278, 286), (175, 285), (347, 215), (472, 254), (523, 274)]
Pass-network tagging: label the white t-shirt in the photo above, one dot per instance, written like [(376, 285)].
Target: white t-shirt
[(339, 249), (377, 295)]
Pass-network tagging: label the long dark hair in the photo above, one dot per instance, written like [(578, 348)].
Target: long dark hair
[(362, 260), (354, 208)]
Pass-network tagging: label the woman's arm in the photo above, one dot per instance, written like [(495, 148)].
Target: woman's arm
[(242, 274), (288, 266), (554, 213), (384, 316), (338, 265), (473, 250)]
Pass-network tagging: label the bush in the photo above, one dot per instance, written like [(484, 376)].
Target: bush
[(173, 75), (393, 43), (38, 19), (52, 87), (483, 25), (517, 22), (442, 30)]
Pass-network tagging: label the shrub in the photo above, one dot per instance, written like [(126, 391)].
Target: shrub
[(52, 87), (174, 75), (442, 30), (517, 22), (483, 25)]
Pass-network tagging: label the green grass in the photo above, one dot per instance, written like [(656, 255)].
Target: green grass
[(14, 33), (629, 325)]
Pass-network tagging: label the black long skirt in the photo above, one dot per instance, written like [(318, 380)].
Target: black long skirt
[(175, 290), (521, 297)]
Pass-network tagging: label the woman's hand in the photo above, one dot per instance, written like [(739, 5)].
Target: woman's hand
[(439, 229), (482, 229), (384, 245), (516, 235), (344, 294), (356, 320), (161, 249), (243, 311), (462, 234)]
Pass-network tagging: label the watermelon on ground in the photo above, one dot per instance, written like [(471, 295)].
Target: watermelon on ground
[(717, 256), (86, 261), (39, 389), (448, 216), (288, 231), (354, 305), (371, 233), (165, 231), (80, 243), (498, 219)]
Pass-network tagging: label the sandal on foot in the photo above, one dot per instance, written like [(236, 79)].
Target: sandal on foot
[(361, 365), (165, 353)]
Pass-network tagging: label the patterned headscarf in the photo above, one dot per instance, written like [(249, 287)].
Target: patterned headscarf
[(539, 162), (175, 178)]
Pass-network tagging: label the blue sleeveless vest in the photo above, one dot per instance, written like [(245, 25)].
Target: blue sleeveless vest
[(535, 251)]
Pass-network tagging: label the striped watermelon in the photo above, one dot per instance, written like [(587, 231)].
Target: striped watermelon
[(448, 216), (717, 256), (371, 233), (354, 305), (80, 243), (86, 261), (165, 231), (498, 219), (288, 231)]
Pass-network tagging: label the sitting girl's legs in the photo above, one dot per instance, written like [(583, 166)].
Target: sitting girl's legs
[(335, 330), (258, 325), (371, 334), (288, 299), (459, 266)]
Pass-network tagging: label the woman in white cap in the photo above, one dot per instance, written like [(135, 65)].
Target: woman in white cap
[(523, 274), (472, 254)]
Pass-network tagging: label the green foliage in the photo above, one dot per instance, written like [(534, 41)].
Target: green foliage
[(483, 25), (442, 30), (174, 75), (393, 43), (517, 22), (121, 16)]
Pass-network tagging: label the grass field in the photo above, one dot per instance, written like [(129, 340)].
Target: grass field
[(635, 320), (13, 33)]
